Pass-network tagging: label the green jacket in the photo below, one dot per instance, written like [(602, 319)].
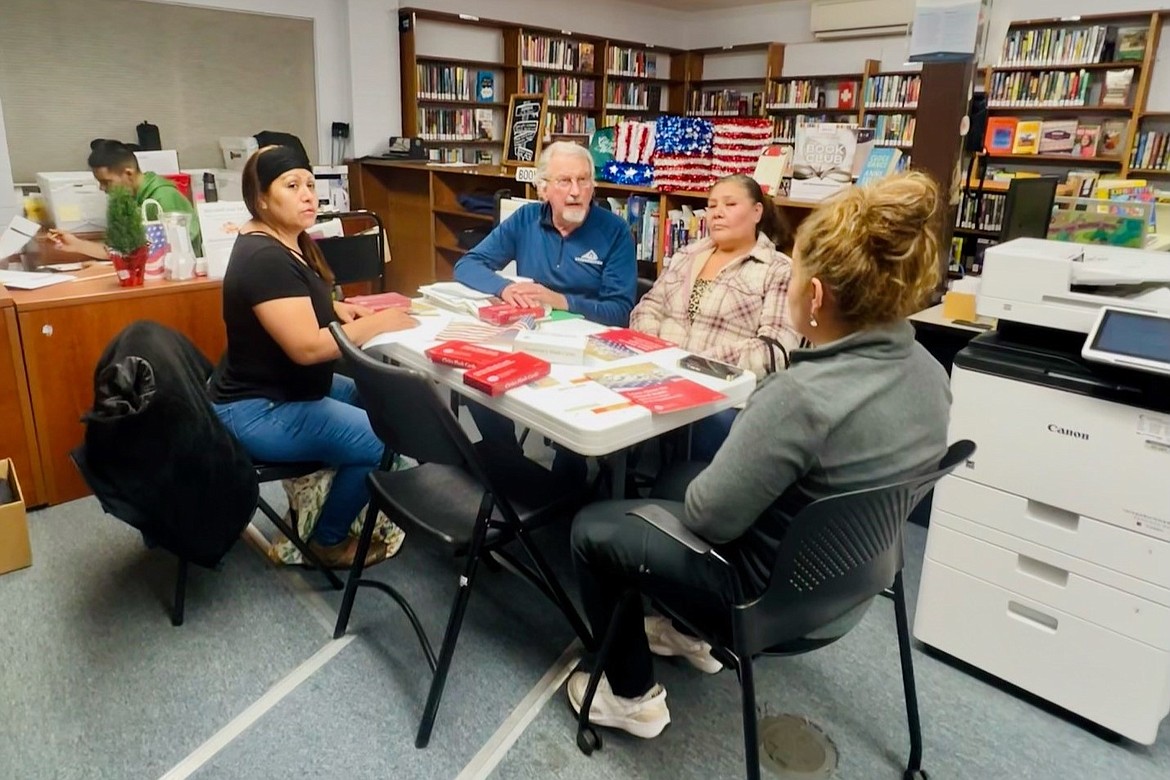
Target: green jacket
[(163, 190)]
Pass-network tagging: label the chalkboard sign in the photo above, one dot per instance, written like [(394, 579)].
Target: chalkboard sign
[(525, 129)]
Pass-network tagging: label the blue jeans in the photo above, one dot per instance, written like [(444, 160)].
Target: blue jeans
[(708, 434), (334, 430)]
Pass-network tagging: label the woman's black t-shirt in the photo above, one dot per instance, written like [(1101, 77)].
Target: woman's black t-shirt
[(254, 366)]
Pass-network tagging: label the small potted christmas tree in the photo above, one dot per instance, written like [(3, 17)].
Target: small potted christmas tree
[(126, 236)]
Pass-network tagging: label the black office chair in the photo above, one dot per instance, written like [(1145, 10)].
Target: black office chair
[(471, 499), (357, 257), (838, 553)]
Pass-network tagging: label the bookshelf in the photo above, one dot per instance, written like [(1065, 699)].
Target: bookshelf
[(1088, 76), (713, 91)]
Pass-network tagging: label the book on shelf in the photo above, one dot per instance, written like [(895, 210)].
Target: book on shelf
[(881, 162), (1117, 84), (770, 168), (846, 95), (1087, 136), (486, 93), (484, 157), (1151, 150), (586, 54), (1131, 44), (485, 124), (1057, 136), (1113, 134), (1000, 136), (1055, 45)]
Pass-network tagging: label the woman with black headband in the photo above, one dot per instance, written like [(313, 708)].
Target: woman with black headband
[(275, 388)]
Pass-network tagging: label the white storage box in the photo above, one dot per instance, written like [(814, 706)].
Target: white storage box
[(74, 200)]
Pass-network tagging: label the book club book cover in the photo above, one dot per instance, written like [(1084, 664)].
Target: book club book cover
[(1000, 135), (655, 388), (823, 159), (1027, 138), (1058, 136)]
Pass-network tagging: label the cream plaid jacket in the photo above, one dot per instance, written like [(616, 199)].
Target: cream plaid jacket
[(746, 301)]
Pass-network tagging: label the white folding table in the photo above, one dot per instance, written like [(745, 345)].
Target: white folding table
[(565, 409)]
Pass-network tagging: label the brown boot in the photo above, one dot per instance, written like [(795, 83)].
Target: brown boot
[(341, 555)]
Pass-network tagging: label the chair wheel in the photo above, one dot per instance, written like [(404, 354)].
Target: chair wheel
[(916, 774), (588, 740)]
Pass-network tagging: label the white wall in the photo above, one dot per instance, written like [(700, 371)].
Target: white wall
[(9, 203)]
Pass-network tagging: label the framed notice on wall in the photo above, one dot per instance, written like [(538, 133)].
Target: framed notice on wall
[(524, 129)]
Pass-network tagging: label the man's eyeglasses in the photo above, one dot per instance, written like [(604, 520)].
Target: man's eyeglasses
[(565, 183)]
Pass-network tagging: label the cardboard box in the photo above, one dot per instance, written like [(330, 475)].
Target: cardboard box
[(15, 552), (959, 306)]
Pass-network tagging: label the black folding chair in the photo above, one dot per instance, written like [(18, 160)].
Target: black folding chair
[(838, 553), (360, 257), (471, 499)]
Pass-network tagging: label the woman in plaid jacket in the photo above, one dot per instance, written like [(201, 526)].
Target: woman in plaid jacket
[(724, 296)]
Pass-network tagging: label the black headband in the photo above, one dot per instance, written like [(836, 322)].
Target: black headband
[(272, 163)]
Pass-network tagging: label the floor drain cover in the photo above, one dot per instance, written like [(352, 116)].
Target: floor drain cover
[(795, 748)]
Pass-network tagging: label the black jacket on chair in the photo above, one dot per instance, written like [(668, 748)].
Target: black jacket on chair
[(156, 455)]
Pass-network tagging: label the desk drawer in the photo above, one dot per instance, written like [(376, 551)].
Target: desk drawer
[(1117, 682), (1111, 546), (1054, 580)]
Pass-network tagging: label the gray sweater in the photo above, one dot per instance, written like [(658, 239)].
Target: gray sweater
[(866, 409)]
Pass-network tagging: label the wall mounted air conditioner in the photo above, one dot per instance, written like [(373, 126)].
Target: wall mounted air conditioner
[(833, 19)]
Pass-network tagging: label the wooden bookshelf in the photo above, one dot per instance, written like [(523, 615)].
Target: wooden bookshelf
[(1133, 111), (695, 84)]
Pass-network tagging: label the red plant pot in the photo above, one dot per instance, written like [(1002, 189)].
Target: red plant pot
[(131, 268)]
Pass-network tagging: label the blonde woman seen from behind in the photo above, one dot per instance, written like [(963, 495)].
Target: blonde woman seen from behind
[(866, 405)]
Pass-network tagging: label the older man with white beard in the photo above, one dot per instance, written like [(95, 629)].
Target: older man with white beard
[(580, 258)]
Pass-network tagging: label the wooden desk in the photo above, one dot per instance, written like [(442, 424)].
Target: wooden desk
[(944, 337), (18, 436), (63, 331)]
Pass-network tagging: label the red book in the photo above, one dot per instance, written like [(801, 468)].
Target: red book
[(655, 388), (461, 354), (506, 313), (390, 300), (500, 376), (633, 339)]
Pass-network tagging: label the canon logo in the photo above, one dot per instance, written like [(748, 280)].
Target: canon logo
[(1068, 432)]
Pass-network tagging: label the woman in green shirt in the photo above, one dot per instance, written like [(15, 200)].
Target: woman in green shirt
[(114, 165)]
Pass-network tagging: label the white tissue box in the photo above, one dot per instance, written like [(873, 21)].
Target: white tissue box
[(553, 347)]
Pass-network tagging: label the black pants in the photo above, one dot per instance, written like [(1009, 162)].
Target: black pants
[(500, 431), (613, 552)]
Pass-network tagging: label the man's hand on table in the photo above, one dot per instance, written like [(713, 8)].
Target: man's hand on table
[(533, 294)]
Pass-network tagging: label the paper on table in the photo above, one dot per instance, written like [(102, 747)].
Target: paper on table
[(18, 233), (26, 280)]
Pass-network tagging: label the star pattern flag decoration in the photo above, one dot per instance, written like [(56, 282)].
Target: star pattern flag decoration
[(157, 249)]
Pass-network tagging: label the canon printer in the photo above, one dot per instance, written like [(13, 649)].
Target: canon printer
[(1048, 553)]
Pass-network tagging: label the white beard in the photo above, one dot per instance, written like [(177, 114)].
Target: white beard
[(575, 214)]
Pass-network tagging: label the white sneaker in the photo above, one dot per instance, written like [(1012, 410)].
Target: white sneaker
[(645, 716), (667, 640)]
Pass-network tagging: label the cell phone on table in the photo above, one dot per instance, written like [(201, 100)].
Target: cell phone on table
[(714, 368)]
